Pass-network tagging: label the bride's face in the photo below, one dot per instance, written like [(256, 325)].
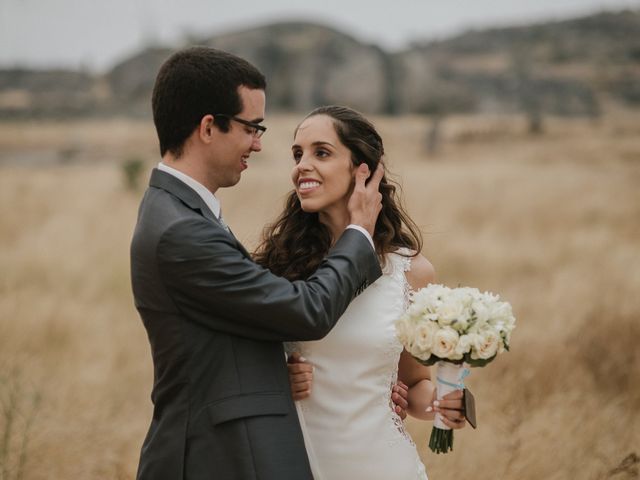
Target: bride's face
[(323, 173)]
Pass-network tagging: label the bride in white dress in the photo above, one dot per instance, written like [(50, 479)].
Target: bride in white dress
[(350, 426)]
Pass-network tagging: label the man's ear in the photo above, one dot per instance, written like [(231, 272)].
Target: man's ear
[(206, 128)]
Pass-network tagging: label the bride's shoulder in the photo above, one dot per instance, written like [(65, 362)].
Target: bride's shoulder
[(421, 272)]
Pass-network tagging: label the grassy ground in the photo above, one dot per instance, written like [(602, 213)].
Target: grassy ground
[(551, 222)]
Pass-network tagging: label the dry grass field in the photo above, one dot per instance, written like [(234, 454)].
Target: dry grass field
[(551, 222)]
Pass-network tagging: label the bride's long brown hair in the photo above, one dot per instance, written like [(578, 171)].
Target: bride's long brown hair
[(295, 244)]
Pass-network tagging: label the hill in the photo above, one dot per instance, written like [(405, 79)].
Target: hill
[(569, 67)]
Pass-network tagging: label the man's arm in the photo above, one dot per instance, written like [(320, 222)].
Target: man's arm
[(214, 284), (217, 286)]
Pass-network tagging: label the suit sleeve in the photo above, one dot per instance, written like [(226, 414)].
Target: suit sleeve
[(215, 285)]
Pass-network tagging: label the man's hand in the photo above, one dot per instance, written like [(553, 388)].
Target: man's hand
[(300, 376), (365, 202), (399, 398)]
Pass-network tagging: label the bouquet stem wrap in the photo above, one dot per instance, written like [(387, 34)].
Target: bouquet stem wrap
[(449, 377)]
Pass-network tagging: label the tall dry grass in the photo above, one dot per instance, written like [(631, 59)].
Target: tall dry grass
[(552, 223)]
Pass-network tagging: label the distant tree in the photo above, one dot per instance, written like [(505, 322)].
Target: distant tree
[(132, 168), (442, 99), (528, 95), (391, 71)]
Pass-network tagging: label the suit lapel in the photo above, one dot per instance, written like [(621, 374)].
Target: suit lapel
[(184, 192), (189, 197)]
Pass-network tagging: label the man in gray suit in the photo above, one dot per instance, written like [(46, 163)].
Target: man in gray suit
[(215, 319)]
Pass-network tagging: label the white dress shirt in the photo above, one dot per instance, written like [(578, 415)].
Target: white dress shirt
[(214, 204), (209, 198)]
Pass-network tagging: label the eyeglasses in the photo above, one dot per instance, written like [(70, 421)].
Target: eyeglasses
[(257, 130)]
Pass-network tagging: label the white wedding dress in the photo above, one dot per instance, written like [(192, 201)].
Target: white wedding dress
[(350, 429)]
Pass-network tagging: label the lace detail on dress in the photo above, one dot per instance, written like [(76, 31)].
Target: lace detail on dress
[(405, 263), (395, 268), (403, 435)]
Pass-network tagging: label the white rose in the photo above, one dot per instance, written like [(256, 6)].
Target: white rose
[(485, 344), (461, 324), (481, 311), (509, 323), (421, 354), (463, 346), (445, 342), (430, 296), (500, 312), (424, 335), (504, 327), (450, 310), (436, 290), (404, 331), (422, 340)]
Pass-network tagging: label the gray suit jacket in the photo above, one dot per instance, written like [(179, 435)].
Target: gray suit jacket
[(215, 321)]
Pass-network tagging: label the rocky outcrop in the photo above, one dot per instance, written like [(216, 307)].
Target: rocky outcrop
[(131, 81), (307, 65), (565, 68)]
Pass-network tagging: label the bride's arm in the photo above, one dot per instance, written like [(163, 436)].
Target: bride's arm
[(416, 376), (422, 394), (422, 391)]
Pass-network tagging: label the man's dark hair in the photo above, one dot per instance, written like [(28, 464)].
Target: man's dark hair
[(196, 82)]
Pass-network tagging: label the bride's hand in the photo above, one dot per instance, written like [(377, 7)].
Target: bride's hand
[(300, 376), (399, 398), (451, 408)]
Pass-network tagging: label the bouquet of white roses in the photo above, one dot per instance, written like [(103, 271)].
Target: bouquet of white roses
[(454, 328)]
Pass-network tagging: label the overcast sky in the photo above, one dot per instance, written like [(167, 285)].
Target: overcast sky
[(95, 34)]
